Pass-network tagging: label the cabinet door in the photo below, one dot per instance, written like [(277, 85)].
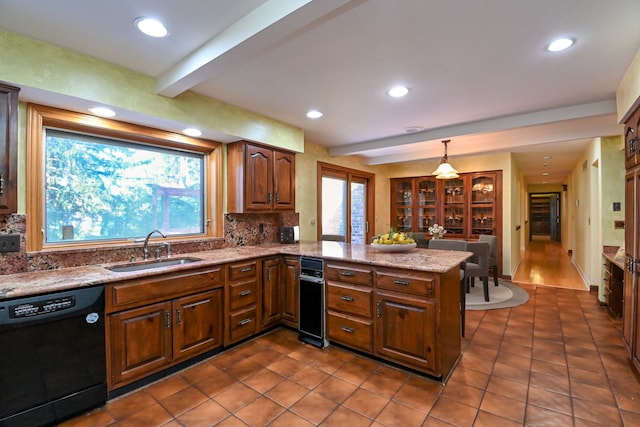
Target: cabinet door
[(198, 324), (271, 295), (426, 204), (405, 330), (8, 149), (483, 204), (258, 191), (140, 342), (630, 278), (631, 140), (401, 204), (455, 207), (284, 183), (290, 291)]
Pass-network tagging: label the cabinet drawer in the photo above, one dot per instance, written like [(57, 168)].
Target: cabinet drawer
[(406, 283), (161, 287), (350, 331), (349, 273), (242, 295), (242, 324), (350, 299), (243, 270)]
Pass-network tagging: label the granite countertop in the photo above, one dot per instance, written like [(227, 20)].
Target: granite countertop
[(25, 284)]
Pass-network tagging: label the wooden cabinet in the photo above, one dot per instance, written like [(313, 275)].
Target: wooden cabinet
[(271, 291), (466, 206), (631, 318), (259, 179), (156, 323), (350, 305), (613, 284), (290, 290), (631, 140), (407, 317), (241, 300), (8, 149)]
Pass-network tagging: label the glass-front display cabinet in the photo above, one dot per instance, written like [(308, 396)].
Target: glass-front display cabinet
[(402, 204), (427, 207), (455, 207), (483, 204)]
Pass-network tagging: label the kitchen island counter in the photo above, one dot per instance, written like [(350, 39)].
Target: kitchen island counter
[(32, 283)]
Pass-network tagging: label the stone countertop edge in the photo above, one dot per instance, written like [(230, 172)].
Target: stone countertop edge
[(46, 281)]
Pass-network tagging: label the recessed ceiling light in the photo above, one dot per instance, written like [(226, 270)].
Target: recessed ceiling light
[(102, 111), (192, 132), (151, 27), (413, 129), (314, 114), (560, 44), (398, 91)]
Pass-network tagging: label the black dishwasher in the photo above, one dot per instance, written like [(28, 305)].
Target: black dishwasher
[(52, 360), (311, 322)]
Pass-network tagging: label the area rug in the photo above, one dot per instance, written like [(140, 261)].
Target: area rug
[(504, 295)]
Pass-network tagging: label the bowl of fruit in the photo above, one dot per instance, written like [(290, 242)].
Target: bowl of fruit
[(394, 242)]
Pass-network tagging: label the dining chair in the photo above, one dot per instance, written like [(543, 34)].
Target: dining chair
[(493, 254), (478, 266), (455, 245)]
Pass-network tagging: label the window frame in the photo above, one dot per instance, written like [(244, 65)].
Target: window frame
[(40, 117)]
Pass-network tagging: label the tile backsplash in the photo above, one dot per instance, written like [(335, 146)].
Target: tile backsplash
[(239, 230)]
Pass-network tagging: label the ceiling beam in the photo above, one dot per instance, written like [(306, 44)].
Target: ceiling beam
[(516, 121), (274, 22)]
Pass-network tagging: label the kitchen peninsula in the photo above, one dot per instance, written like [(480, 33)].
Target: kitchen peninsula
[(410, 314)]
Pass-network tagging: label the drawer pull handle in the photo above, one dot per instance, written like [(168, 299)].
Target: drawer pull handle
[(402, 282), (348, 329), (245, 269), (244, 322), (347, 273), (347, 298), (245, 293)]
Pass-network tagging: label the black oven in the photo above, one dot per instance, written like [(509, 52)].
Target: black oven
[(312, 302), (53, 356)]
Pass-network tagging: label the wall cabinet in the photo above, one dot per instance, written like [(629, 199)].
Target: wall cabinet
[(241, 300), (259, 179), (407, 317), (466, 206), (154, 324), (8, 149)]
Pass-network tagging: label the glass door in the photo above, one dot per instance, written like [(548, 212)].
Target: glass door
[(402, 204), (483, 204), (426, 203), (455, 207)]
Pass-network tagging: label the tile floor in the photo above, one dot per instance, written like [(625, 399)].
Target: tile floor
[(558, 360)]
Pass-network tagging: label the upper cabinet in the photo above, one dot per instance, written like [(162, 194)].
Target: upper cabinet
[(259, 179), (8, 149), (631, 140), (466, 206)]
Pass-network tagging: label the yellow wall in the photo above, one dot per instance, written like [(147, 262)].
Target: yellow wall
[(628, 93)]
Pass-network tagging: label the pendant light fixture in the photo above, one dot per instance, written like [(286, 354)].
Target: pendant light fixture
[(445, 170)]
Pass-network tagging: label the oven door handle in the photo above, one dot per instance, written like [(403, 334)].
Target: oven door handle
[(311, 279)]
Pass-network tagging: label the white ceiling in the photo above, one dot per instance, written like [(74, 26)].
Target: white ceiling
[(477, 71)]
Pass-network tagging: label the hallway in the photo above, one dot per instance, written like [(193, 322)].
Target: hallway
[(546, 263)]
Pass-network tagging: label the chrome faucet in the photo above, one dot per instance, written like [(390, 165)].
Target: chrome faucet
[(145, 249)]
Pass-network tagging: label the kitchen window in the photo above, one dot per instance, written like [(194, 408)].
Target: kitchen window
[(99, 182)]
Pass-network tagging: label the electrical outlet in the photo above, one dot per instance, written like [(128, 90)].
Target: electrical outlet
[(9, 243)]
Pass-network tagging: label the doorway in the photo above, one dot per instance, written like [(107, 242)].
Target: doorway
[(545, 215), (345, 204)]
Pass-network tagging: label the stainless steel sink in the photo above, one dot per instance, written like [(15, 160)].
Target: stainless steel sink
[(123, 268)]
